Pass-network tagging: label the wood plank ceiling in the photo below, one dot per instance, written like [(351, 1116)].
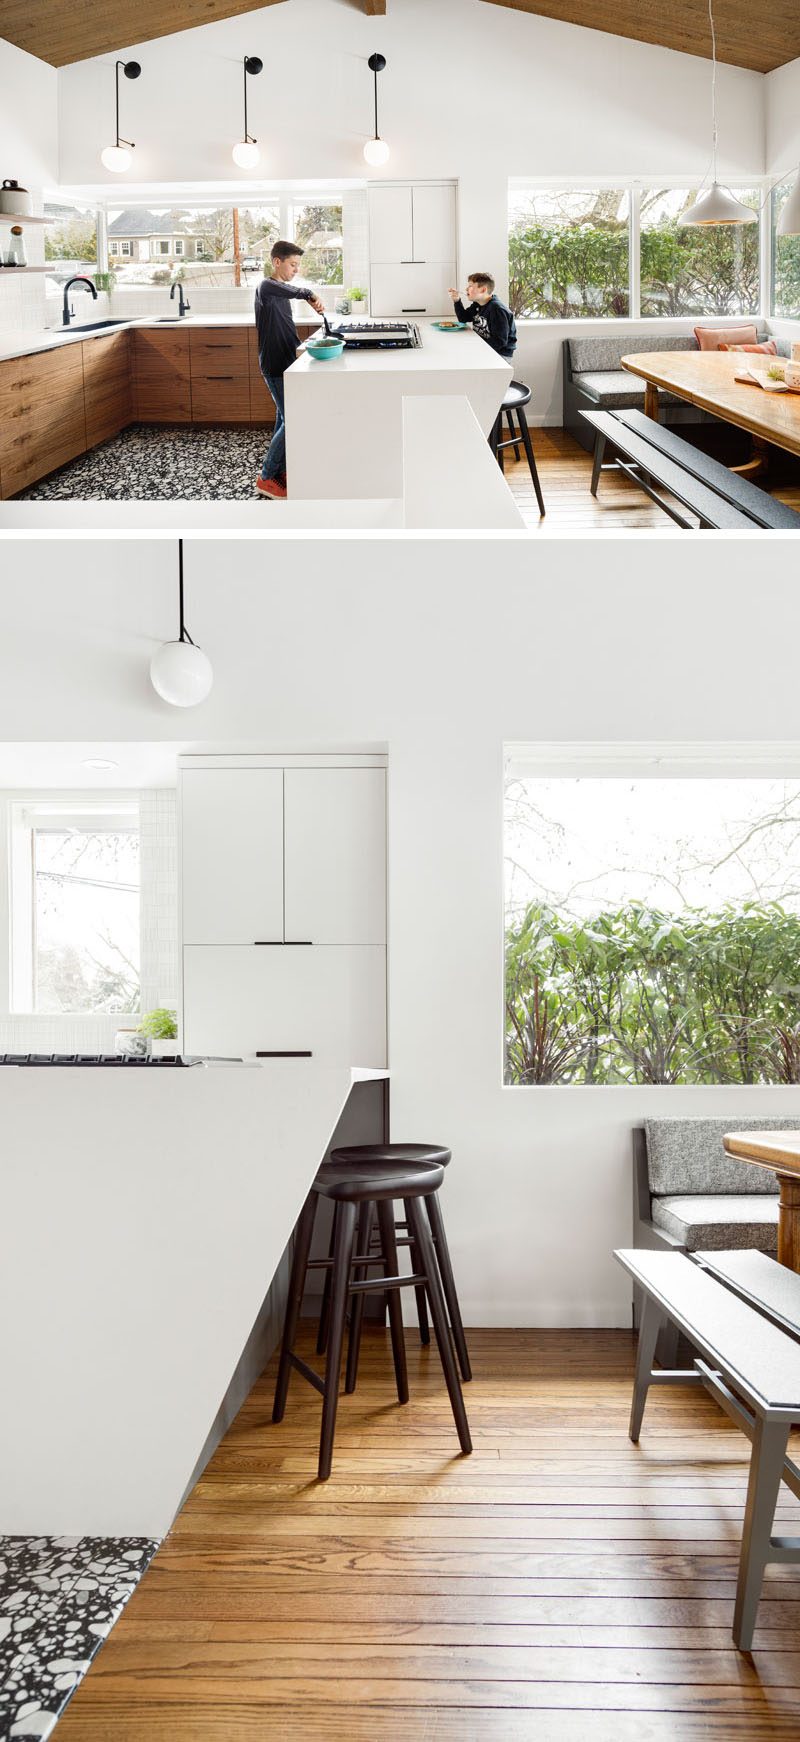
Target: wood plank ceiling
[(758, 34), (61, 31)]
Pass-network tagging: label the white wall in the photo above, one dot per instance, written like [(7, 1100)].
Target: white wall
[(29, 155), (470, 91), (443, 651), (782, 89)]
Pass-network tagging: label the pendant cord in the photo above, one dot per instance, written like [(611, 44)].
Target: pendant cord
[(184, 633), (116, 71), (244, 75), (713, 91), (375, 75)]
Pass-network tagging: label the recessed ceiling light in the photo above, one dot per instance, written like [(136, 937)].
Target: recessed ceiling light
[(100, 762)]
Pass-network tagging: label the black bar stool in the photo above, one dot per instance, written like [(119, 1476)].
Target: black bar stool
[(397, 1153), (516, 399), (351, 1186)]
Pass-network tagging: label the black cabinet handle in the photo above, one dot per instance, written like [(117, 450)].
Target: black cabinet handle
[(414, 311), (281, 943), (283, 1055), (220, 378)]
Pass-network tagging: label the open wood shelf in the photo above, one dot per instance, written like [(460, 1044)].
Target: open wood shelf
[(22, 218)]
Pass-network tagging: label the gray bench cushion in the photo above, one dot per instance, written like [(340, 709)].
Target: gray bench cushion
[(607, 351), (717, 1223), (617, 389), (686, 1155)]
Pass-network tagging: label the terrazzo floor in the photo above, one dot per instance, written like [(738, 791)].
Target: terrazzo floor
[(149, 463), (59, 1599)]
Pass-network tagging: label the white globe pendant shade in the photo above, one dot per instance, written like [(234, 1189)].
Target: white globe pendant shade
[(376, 152), (246, 154), (181, 673), (116, 157), (789, 220), (718, 206)]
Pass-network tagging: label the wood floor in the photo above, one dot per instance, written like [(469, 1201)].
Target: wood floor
[(560, 1584), (565, 471)]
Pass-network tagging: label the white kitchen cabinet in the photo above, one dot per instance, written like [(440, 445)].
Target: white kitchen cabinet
[(390, 224), (232, 855), (413, 292), (433, 222), (329, 1002), (335, 855)]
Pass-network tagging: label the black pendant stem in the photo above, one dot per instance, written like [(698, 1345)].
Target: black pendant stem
[(376, 64), (123, 64), (184, 633), (252, 65)]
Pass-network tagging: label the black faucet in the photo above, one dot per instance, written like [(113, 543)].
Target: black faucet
[(80, 279), (182, 304)]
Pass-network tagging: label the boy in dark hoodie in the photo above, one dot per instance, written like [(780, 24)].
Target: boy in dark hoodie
[(487, 314)]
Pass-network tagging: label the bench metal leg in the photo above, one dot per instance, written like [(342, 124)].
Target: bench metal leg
[(766, 1469), (599, 450), (652, 1320)]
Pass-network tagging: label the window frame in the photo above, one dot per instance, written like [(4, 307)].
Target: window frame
[(19, 812)]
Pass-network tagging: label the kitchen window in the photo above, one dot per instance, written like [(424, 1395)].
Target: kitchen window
[(652, 926), (74, 910), (616, 252)]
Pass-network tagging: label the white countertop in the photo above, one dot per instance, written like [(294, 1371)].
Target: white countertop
[(448, 352), (21, 342)]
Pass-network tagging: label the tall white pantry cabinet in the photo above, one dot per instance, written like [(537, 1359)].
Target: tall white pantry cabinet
[(413, 247), (283, 901)]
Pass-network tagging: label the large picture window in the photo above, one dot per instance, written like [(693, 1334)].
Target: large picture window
[(568, 253), (691, 270), (652, 930), (617, 252)]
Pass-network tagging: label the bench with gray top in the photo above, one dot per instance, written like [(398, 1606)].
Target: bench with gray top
[(594, 379), (752, 1368), (658, 460)]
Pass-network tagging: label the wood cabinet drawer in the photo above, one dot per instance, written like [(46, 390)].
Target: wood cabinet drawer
[(222, 398), (25, 380), (211, 346), (42, 418)]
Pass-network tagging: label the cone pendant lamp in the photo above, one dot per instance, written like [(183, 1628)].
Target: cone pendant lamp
[(717, 205)]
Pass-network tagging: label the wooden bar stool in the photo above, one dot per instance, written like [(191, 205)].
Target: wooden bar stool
[(397, 1153), (516, 398), (352, 1186)]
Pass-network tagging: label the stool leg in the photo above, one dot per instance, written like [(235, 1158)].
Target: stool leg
[(325, 1307), (448, 1282), (363, 1237), (513, 433), (342, 1261), (526, 437), (389, 1244), (297, 1281), (425, 1246), (597, 463), (422, 1299)]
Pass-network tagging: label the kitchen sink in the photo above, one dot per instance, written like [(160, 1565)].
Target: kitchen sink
[(93, 326)]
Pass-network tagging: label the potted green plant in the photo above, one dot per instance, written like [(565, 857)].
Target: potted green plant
[(161, 1027), (358, 300)]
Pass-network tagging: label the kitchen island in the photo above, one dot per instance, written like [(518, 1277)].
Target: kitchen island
[(146, 1214), (344, 417)]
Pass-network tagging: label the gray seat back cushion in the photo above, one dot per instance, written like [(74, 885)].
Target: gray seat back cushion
[(686, 1155), (607, 351)]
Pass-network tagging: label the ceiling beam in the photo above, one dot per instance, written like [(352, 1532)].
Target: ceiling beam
[(747, 36), (61, 32), (375, 8)]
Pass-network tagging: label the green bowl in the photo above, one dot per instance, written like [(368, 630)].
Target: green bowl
[(451, 326), (323, 351)]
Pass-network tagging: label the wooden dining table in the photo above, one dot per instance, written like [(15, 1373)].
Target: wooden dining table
[(707, 379), (779, 1151)]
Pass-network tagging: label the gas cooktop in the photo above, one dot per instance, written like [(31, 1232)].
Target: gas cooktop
[(380, 335)]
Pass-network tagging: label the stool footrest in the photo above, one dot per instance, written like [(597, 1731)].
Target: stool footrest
[(381, 1283), (308, 1373)]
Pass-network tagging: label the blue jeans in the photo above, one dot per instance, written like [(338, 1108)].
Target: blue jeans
[(275, 457)]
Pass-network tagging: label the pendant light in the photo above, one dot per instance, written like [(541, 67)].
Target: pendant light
[(376, 151), (718, 205), (180, 672), (118, 156), (246, 152), (789, 220)]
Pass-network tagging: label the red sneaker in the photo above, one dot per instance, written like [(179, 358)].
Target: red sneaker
[(270, 487)]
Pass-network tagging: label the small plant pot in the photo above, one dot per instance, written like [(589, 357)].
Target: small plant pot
[(164, 1049), (130, 1044)]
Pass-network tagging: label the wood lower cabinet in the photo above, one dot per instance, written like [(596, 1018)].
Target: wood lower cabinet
[(220, 375), (42, 417), (108, 386), (162, 378)]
